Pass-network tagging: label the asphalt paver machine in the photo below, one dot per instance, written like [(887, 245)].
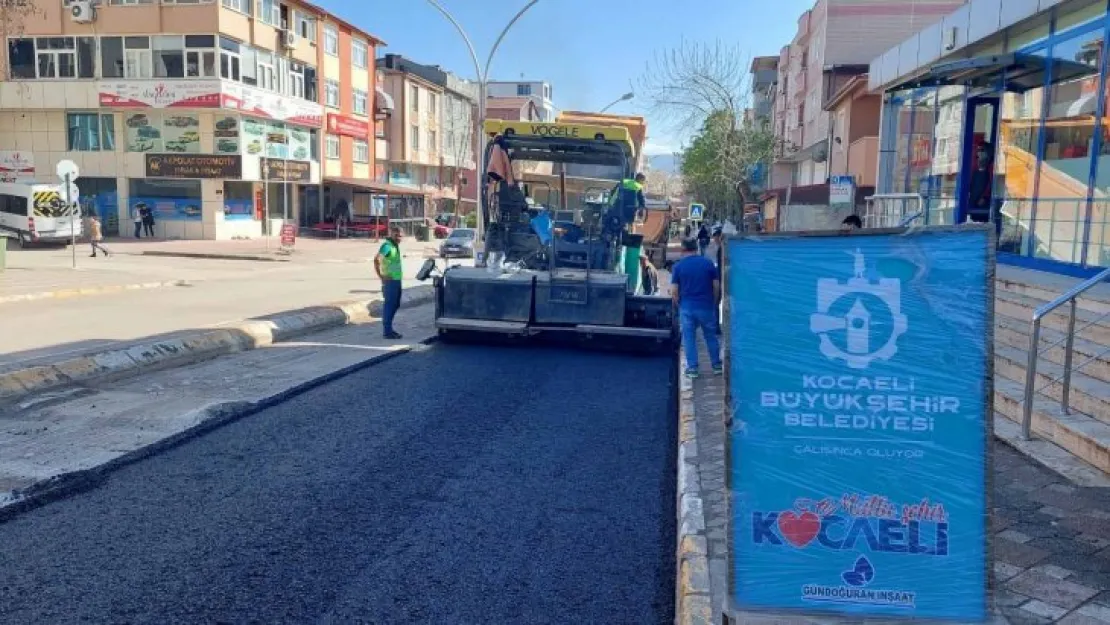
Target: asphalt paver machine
[(566, 269)]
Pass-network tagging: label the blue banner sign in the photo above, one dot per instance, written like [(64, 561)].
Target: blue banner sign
[(858, 387)]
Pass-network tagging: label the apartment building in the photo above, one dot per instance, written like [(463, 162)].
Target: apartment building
[(210, 113), (834, 41), (429, 135), (537, 91), (764, 77), (513, 109)]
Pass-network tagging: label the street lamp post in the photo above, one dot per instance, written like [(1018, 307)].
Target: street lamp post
[(624, 98), (482, 74)]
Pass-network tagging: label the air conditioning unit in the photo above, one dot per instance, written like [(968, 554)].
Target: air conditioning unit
[(82, 11), (289, 39)]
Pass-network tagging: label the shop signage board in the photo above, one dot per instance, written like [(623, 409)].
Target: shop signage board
[(281, 170), (194, 166), (842, 190), (263, 103), (288, 235), (17, 166), (858, 388), (159, 93), (348, 126)]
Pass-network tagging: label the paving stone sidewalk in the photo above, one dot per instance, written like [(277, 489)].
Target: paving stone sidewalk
[(1050, 541)]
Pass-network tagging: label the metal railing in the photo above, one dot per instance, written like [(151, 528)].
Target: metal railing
[(1071, 297), (887, 210)]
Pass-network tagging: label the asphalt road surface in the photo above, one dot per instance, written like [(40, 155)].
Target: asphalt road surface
[(461, 484)]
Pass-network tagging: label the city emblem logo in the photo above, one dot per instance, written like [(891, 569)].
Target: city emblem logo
[(853, 312)]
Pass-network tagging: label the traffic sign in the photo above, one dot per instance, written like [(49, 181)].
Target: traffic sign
[(696, 211), (67, 168)]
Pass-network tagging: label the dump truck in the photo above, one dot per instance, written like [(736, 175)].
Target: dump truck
[(560, 258)]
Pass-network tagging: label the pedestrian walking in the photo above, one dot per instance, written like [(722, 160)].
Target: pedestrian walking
[(96, 235), (695, 289), (137, 217), (388, 265), (148, 221), (703, 238)]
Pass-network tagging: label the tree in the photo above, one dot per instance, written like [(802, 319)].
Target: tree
[(707, 87)]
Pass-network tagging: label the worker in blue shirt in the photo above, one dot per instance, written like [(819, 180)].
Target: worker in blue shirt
[(695, 288)]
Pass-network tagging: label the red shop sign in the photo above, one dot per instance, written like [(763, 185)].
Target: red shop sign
[(288, 235), (348, 126)]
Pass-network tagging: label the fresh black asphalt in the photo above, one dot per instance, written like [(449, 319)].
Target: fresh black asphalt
[(461, 484)]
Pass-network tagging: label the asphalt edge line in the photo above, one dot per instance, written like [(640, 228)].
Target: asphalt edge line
[(693, 594), (212, 418), (198, 346), (90, 291), (258, 258)]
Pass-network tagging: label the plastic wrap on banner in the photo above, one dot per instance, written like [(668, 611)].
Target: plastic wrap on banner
[(859, 389)]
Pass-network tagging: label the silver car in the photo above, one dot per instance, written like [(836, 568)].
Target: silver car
[(460, 244)]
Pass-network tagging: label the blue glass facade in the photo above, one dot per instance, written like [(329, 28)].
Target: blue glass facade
[(1037, 161)]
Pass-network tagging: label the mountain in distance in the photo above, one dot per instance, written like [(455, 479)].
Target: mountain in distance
[(662, 162)]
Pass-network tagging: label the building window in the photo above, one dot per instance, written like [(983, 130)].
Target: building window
[(188, 1), (242, 6), (305, 26), (360, 101), (332, 146), (129, 2), (90, 132), (414, 137), (432, 143), (331, 93), (360, 56), (432, 103), (230, 60), (269, 12), (414, 98), (331, 40), (52, 57), (362, 151), (296, 84), (200, 56), (267, 76)]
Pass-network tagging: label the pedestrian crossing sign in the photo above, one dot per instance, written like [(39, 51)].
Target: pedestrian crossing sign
[(696, 211)]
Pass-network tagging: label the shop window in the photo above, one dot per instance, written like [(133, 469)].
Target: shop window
[(52, 57), (90, 132), (359, 106), (170, 200), (1069, 133), (331, 40), (362, 151), (332, 146), (331, 93), (360, 54), (163, 132)]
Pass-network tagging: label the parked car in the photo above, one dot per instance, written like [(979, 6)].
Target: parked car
[(460, 243)]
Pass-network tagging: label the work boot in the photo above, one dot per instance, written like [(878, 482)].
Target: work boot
[(393, 336)]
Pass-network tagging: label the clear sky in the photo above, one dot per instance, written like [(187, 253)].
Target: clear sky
[(588, 50)]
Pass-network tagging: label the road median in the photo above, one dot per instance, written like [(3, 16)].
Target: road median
[(89, 290), (195, 346)]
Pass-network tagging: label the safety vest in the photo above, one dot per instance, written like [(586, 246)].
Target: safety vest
[(392, 256), (626, 193)]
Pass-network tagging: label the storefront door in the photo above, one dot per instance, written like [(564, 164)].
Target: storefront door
[(980, 145)]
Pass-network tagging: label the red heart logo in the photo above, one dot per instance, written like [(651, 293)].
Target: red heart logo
[(799, 529)]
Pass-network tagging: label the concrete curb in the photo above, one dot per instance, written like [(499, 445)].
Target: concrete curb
[(693, 604), (197, 346), (251, 257), (92, 290), (208, 419)]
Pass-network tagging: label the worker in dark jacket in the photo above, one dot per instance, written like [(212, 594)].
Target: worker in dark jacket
[(629, 197)]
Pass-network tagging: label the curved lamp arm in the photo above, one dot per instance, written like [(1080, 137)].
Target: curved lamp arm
[(493, 50), (462, 33)]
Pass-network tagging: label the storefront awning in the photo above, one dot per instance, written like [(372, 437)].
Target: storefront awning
[(1015, 72), (369, 186)]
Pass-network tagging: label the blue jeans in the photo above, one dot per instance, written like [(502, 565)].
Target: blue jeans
[(391, 293), (705, 318)]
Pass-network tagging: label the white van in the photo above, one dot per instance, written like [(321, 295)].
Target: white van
[(34, 213)]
